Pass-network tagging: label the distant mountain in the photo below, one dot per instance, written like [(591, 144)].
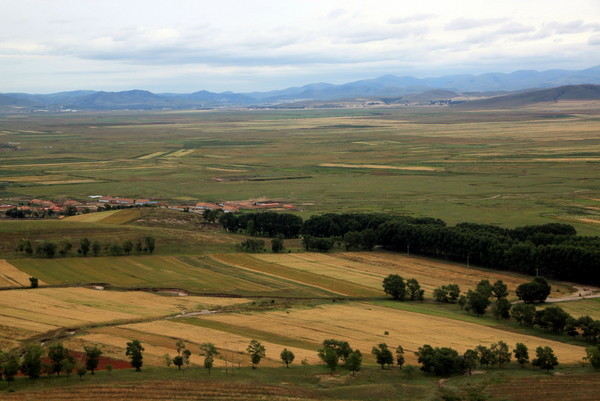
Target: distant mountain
[(561, 93), (387, 88)]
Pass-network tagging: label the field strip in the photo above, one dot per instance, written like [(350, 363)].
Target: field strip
[(91, 217), (59, 182), (430, 274), (364, 325), (322, 282), (10, 276), (330, 266), (223, 340), (380, 167), (151, 155), (178, 153)]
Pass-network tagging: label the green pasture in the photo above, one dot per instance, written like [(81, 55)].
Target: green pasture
[(195, 273), (500, 167)]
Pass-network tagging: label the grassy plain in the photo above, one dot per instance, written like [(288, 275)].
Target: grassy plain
[(505, 167)]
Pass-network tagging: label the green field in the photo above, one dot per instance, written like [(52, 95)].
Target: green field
[(500, 167)]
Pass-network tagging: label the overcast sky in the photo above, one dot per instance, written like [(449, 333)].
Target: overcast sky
[(245, 45)]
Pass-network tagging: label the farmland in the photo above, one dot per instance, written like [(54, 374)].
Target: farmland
[(505, 168)]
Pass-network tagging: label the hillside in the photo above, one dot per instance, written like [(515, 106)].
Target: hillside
[(562, 93)]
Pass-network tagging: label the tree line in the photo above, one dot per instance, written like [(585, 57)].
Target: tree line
[(553, 250), (64, 248), (441, 361), (487, 296)]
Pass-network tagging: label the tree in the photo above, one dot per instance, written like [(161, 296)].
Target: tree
[(545, 358), (486, 355), (135, 351), (46, 249), (484, 287), (11, 367), (81, 371), (394, 285), (32, 361), (553, 318), (149, 244), (501, 353), (592, 355), (127, 246), (277, 244), (256, 351), (469, 360), (341, 348), (400, 356), (439, 361), (92, 358), (33, 282), (96, 247), (330, 358), (477, 302), (178, 361), (65, 248), (499, 290), (208, 350), (523, 314), (501, 308), (415, 293), (521, 354), (447, 293), (84, 246), (383, 355), (287, 357), (354, 361), (252, 245), (58, 355), (535, 291)]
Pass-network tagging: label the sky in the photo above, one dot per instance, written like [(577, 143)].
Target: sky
[(183, 46)]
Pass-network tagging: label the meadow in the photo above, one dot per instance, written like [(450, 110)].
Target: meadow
[(505, 167)]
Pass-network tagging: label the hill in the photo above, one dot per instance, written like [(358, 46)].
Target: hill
[(561, 93), (387, 88)]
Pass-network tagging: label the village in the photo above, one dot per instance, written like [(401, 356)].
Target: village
[(38, 208)]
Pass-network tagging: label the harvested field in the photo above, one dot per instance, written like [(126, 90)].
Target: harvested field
[(160, 336), (151, 155), (92, 217), (364, 325), (189, 389), (380, 167), (10, 276), (179, 153), (370, 268), (548, 388), (319, 278), (76, 307)]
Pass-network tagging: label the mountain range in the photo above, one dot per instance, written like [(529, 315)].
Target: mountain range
[(388, 89)]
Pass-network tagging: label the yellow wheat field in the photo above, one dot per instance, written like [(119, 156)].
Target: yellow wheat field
[(45, 309), (370, 268), (363, 326), (159, 338), (10, 276)]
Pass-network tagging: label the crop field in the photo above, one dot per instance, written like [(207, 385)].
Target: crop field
[(498, 167), (572, 387), (28, 312), (586, 307), (303, 329), (10, 276), (370, 268)]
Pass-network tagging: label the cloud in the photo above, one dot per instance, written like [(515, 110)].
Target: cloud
[(337, 13), (594, 40), (411, 18), (471, 23)]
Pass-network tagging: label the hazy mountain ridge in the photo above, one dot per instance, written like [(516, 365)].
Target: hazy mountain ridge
[(389, 88)]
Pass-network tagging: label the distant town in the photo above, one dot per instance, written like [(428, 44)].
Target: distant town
[(39, 208)]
